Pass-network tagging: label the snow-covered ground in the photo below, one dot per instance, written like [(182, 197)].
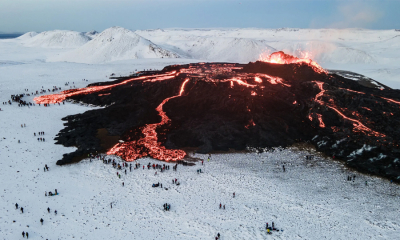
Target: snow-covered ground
[(311, 200)]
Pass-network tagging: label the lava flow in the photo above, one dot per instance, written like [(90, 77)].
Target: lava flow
[(278, 101), (358, 126), (57, 98), (149, 145)]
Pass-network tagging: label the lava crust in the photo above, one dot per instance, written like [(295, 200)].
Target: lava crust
[(222, 106)]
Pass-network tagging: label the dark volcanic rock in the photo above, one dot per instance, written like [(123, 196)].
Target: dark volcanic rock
[(217, 111)]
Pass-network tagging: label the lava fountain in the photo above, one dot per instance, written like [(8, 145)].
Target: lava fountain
[(283, 58)]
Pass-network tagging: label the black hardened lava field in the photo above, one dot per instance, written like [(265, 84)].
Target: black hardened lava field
[(222, 106)]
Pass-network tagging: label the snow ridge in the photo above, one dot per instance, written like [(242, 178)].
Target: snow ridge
[(115, 44), (56, 39), (240, 50), (27, 35)]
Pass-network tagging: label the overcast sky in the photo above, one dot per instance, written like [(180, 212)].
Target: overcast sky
[(86, 15)]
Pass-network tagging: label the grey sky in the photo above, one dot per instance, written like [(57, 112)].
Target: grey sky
[(85, 15)]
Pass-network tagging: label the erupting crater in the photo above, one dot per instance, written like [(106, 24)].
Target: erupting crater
[(277, 101)]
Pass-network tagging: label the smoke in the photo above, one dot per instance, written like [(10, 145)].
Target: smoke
[(357, 14)]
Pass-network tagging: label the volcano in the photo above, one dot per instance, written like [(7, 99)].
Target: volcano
[(279, 101)]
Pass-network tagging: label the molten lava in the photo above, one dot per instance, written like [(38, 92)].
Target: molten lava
[(149, 145), (358, 126), (57, 98), (283, 58)]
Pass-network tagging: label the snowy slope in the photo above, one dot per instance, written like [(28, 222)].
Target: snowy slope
[(115, 44), (222, 49), (27, 36), (57, 39)]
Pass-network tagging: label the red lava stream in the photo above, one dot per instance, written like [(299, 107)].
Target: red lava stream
[(132, 150)]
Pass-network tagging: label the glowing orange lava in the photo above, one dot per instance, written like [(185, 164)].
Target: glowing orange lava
[(283, 58), (391, 100), (358, 126), (321, 123), (60, 97), (352, 90), (149, 145)]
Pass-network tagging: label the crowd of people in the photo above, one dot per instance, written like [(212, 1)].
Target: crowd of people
[(18, 98)]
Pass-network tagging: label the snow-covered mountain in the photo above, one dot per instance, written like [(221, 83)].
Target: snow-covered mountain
[(27, 35), (222, 49), (114, 44), (56, 39)]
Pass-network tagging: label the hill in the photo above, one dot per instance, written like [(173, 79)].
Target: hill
[(56, 39), (114, 44)]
